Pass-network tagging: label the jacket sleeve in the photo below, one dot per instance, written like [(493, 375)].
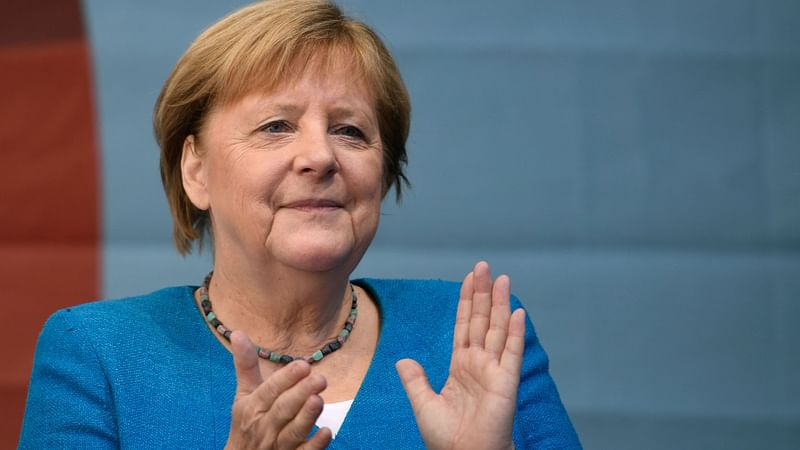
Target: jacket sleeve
[(69, 399), (541, 422)]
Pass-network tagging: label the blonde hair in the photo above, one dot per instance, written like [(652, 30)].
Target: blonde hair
[(257, 48)]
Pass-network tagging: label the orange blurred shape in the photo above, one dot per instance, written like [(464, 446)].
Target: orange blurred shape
[(49, 201)]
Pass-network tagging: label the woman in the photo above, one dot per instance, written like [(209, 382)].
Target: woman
[(281, 129)]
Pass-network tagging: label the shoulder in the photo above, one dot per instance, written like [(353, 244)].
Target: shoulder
[(116, 338), (155, 306), (97, 361), (111, 326)]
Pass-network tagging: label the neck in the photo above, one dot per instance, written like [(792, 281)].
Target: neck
[(288, 310)]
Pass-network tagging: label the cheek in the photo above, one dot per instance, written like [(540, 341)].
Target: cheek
[(364, 180), (371, 170), (370, 186), (371, 189), (244, 187)]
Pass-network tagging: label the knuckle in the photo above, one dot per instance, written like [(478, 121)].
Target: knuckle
[(480, 313), (271, 389), (281, 411), (494, 326), (248, 412)]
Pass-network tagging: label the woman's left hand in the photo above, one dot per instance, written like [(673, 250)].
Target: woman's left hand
[(475, 409)]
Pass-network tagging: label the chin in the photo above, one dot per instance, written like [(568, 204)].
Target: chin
[(319, 257)]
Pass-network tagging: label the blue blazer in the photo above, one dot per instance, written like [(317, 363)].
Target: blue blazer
[(146, 372)]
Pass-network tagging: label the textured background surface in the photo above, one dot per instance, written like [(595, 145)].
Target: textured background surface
[(633, 165)]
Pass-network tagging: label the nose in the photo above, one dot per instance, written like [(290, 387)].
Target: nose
[(316, 155)]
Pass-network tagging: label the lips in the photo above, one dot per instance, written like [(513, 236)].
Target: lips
[(314, 204)]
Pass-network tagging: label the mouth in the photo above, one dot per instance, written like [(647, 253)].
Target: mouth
[(314, 205)]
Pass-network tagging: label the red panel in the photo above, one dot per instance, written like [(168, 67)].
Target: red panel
[(27, 22), (48, 191), (9, 425), (49, 203), (36, 281)]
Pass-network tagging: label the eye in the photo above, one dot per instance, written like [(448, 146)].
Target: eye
[(350, 132), (278, 126)]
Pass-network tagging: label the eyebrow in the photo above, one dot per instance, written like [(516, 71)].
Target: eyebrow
[(283, 107), (339, 109), (354, 111)]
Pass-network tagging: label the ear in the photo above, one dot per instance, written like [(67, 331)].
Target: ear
[(193, 174)]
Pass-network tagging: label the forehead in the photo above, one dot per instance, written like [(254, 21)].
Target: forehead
[(335, 85), (334, 92), (329, 68)]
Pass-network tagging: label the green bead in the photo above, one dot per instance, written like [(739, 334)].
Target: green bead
[(354, 312), (344, 333), (317, 355), (274, 357), (211, 316)]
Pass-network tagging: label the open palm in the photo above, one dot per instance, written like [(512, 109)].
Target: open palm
[(475, 409)]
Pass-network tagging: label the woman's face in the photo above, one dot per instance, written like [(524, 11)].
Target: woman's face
[(292, 176)]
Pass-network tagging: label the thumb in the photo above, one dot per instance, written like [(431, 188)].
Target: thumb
[(245, 360), (415, 383)]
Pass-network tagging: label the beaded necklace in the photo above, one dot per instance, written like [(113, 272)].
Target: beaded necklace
[(330, 347)]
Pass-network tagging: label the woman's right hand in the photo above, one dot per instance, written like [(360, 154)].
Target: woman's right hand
[(276, 413)]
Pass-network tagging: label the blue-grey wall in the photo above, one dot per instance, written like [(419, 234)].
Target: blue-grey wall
[(633, 165)]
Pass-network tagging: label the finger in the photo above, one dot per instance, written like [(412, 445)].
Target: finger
[(245, 360), (295, 432), (515, 343), (288, 404), (415, 383), (501, 312), (461, 331), (481, 305), (279, 383), (320, 440)]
